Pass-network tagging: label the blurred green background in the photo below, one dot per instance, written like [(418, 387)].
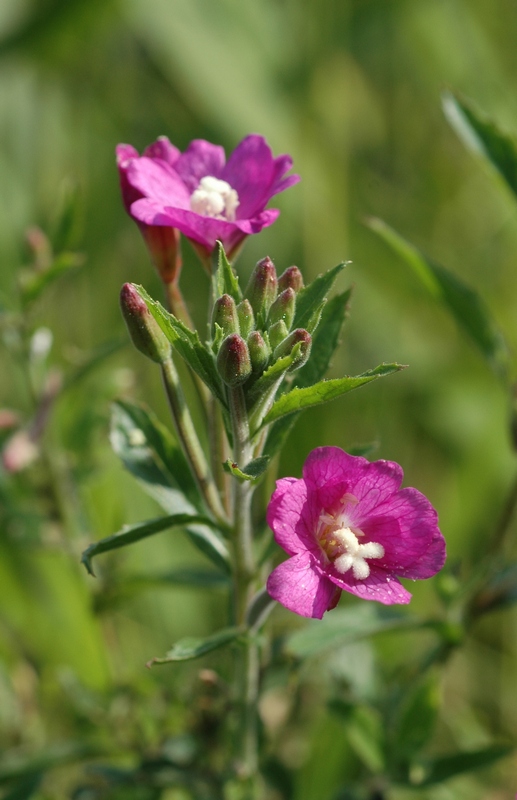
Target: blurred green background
[(352, 90)]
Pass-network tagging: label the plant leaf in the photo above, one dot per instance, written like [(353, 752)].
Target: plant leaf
[(198, 356), (364, 732), (300, 398), (191, 647), (251, 472), (464, 304), (439, 770), (35, 283), (135, 533), (325, 341), (482, 136), (309, 299), (148, 450), (347, 625), (417, 719), (226, 281)]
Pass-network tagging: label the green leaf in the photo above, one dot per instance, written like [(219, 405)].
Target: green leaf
[(464, 304), (198, 356), (148, 450), (499, 592), (300, 398), (14, 767), (226, 281), (483, 137), (189, 648), (34, 283), (417, 718), (309, 299), (325, 341), (25, 788), (251, 472), (347, 625), (364, 732), (135, 533), (439, 770)]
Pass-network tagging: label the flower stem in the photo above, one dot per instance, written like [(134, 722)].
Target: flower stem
[(189, 439), (246, 758)]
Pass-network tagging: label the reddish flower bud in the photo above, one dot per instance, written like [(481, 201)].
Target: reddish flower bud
[(299, 337), (146, 334), (224, 314), (283, 308), (262, 288), (291, 278), (233, 360)]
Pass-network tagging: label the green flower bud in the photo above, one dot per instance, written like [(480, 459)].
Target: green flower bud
[(224, 314), (283, 308), (259, 352), (299, 337), (292, 278), (261, 289), (277, 333), (145, 333), (246, 318), (233, 360)]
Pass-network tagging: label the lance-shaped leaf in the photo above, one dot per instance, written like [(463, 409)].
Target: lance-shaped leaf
[(189, 648), (438, 770), (135, 533), (365, 732), (148, 450), (225, 279), (309, 300), (346, 625), (325, 341), (251, 472), (482, 136), (300, 398), (417, 717), (35, 283), (187, 343), (18, 767), (465, 305)]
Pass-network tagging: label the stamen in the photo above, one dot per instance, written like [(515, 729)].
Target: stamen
[(214, 198), (350, 553)]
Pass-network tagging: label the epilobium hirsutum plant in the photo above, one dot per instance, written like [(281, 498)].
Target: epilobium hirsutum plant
[(346, 524)]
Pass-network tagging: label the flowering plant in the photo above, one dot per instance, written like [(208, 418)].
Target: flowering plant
[(347, 525)]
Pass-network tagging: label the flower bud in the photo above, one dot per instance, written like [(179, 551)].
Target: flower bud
[(145, 333), (233, 360), (246, 318), (299, 337), (277, 333), (259, 351), (224, 314), (262, 287), (292, 278), (283, 308), (163, 244)]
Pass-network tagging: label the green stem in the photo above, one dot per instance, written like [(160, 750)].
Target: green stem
[(244, 573), (189, 440)]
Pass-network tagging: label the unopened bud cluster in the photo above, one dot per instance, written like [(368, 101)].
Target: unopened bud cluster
[(252, 335)]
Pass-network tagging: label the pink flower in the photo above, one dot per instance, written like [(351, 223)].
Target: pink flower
[(200, 193), (347, 525)]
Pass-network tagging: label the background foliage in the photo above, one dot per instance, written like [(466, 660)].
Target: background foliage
[(352, 90)]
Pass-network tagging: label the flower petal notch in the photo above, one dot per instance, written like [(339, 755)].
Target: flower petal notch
[(347, 525), (201, 194)]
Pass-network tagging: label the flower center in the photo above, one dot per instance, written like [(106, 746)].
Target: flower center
[(340, 542), (214, 198)]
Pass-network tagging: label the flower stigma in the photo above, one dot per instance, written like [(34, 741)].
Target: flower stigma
[(340, 543), (215, 198)]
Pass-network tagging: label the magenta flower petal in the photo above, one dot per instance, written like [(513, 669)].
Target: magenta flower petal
[(201, 158), (199, 194), (162, 148), (300, 586), (156, 179), (351, 521)]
